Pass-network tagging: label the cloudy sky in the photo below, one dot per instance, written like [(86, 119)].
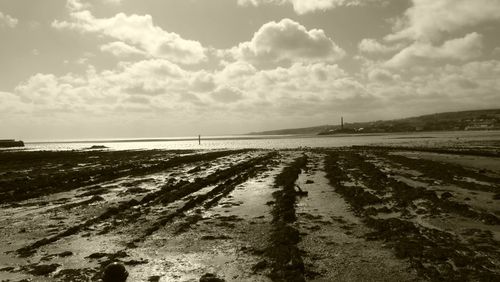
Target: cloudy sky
[(73, 69)]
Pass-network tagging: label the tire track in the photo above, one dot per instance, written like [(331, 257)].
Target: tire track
[(171, 192)]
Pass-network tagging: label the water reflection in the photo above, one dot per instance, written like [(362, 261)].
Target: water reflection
[(279, 142)]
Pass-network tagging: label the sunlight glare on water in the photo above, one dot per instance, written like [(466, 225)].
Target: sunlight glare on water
[(278, 142)]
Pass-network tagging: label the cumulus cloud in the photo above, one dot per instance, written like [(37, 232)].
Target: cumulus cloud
[(434, 31), (307, 6), (285, 72), (227, 94), (302, 91), (318, 83), (76, 5), (448, 87), (238, 70), (381, 76), (8, 21), (153, 86), (285, 42), (430, 19), (202, 82), (372, 46), (52, 95), (121, 49), (139, 31), (299, 77), (11, 103), (461, 49)]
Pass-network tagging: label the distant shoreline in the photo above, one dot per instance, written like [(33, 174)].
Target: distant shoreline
[(255, 137), (167, 139)]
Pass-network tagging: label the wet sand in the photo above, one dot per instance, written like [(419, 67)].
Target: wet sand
[(339, 214)]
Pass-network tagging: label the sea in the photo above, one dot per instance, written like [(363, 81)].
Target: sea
[(425, 139)]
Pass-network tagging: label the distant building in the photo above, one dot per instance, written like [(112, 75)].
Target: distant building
[(482, 124)]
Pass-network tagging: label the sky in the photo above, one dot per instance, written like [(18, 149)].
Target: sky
[(77, 69)]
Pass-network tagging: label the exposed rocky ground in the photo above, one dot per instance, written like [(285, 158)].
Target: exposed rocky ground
[(346, 214)]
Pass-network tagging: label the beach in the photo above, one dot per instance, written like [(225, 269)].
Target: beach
[(356, 213)]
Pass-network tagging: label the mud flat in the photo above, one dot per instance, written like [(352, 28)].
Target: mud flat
[(345, 214)]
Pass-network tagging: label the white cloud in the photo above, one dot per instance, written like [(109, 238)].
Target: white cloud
[(156, 85), (113, 2), (430, 19), (121, 49), (433, 32), (285, 72), (227, 94), (8, 21), (318, 82), (202, 81), (147, 77), (11, 103), (139, 31), (312, 92), (307, 6), (372, 46), (51, 94), (286, 42), (238, 70), (381, 76), (460, 49), (76, 5)]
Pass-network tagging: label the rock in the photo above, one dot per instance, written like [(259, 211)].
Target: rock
[(96, 198), (115, 272), (43, 269), (154, 278), (97, 147), (9, 143), (446, 195), (136, 262), (135, 190), (421, 211), (65, 254), (97, 255), (302, 193), (259, 266), (7, 269), (210, 277), (211, 237)]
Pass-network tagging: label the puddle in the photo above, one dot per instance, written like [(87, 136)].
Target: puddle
[(250, 200)]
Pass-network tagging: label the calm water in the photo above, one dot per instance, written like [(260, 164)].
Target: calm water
[(281, 142)]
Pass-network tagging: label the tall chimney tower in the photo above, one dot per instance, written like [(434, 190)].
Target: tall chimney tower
[(341, 122)]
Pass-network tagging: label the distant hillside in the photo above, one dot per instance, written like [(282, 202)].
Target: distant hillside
[(464, 120)]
